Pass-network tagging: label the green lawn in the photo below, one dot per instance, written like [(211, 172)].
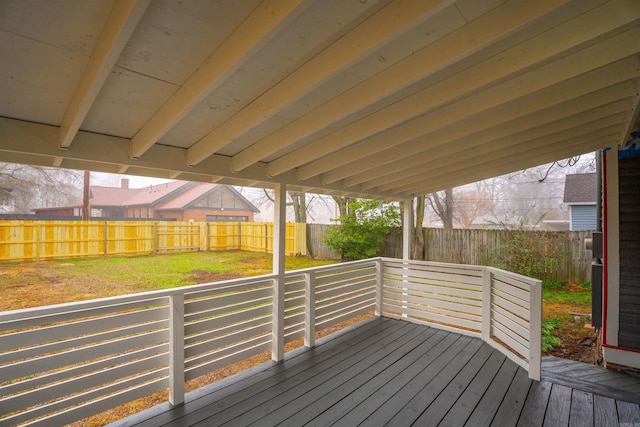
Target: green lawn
[(51, 282)]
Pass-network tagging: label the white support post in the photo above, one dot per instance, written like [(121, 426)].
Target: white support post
[(486, 304), (407, 225), (176, 349), (406, 244), (379, 288), (535, 330), (279, 235), (310, 310)]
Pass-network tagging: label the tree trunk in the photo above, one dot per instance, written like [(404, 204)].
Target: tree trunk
[(418, 233), (443, 207), (343, 205), (299, 201), (86, 209)]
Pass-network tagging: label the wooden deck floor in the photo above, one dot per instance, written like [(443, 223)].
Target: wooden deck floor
[(390, 372)]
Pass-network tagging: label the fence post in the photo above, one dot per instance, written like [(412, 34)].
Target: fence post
[(206, 236), (266, 237), (379, 288), (309, 309), (37, 231), (535, 330), (487, 277), (176, 349), (105, 227), (155, 238)]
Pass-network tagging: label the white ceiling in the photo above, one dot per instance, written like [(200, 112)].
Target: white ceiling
[(383, 99)]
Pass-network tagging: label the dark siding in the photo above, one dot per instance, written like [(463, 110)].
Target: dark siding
[(629, 334)]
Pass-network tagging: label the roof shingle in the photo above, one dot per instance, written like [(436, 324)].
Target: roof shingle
[(580, 188)]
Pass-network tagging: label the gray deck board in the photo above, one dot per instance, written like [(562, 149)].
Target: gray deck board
[(464, 399), (422, 371), (581, 409), (487, 407), (535, 406), (385, 384), (392, 372), (559, 406), (605, 413), (628, 413), (283, 389), (591, 379), (512, 403)]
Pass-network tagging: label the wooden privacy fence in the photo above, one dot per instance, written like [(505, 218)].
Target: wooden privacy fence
[(547, 255), (37, 240)]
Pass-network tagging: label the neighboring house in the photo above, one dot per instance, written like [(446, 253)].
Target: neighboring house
[(175, 200), (580, 193)]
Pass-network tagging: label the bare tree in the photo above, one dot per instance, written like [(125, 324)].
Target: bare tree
[(299, 203), (295, 200), (343, 204), (471, 205), (23, 188), (418, 234), (442, 204)]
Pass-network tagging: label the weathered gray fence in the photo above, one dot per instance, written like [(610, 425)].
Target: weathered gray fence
[(554, 256)]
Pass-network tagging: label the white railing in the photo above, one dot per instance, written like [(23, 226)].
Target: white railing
[(66, 362), (502, 308)]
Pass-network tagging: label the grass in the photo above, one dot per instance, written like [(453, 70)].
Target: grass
[(51, 282), (558, 300)]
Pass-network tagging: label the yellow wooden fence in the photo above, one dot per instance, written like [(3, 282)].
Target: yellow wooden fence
[(39, 240)]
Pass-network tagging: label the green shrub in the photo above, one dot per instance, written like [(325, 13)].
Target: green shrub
[(549, 340), (552, 284), (524, 251), (361, 232)]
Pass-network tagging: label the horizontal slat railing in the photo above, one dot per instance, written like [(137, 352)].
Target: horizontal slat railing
[(62, 363), (226, 323), (502, 308), (516, 317), (448, 295)]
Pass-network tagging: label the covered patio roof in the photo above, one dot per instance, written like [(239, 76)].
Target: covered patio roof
[(370, 98)]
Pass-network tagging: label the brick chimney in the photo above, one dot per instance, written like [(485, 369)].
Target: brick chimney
[(124, 183)]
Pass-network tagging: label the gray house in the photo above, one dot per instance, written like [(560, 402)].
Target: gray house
[(580, 194)]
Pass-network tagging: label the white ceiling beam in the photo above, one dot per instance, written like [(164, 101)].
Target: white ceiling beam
[(264, 23), (394, 17), (455, 50), (107, 153), (496, 138), (488, 113), (459, 44), (514, 60), (122, 21), (534, 157), (354, 138), (635, 115), (508, 146), (561, 115)]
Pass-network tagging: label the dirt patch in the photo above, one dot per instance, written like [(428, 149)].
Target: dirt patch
[(578, 338), (578, 343), (200, 276)]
